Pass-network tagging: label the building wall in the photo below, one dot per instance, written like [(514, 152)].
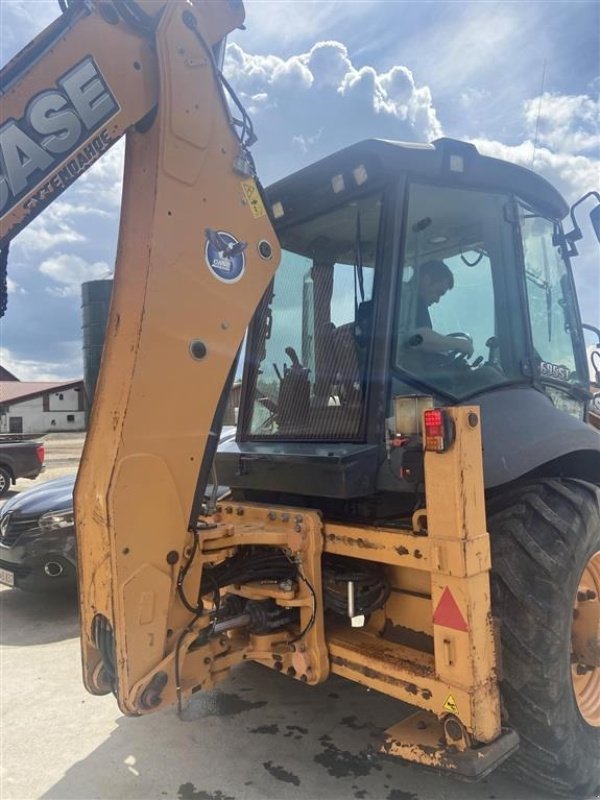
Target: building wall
[(47, 413)]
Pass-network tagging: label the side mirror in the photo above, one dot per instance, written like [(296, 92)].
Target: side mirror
[(595, 220), (575, 235)]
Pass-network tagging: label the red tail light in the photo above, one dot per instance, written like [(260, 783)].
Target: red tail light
[(41, 452), (439, 430)]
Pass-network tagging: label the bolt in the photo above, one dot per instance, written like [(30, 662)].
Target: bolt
[(591, 595), (207, 660), (278, 665), (228, 510), (285, 517), (265, 250), (582, 597), (272, 515), (291, 672), (299, 518), (198, 349), (172, 557), (473, 419), (239, 511)]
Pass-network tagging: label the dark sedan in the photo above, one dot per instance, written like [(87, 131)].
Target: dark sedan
[(37, 537), (37, 534)]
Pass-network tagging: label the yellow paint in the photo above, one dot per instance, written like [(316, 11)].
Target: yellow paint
[(254, 199)]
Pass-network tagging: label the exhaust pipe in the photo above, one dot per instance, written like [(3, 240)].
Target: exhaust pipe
[(53, 569)]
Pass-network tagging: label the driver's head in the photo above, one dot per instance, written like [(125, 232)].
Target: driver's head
[(435, 279)]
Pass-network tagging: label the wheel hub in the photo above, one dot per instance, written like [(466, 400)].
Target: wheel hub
[(585, 643)]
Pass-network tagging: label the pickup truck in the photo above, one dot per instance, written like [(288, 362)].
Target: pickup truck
[(19, 459)]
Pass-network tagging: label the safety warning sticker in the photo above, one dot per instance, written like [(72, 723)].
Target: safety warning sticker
[(448, 614), (450, 705), (255, 202)]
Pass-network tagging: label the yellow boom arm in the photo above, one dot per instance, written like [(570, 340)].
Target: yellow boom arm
[(196, 253)]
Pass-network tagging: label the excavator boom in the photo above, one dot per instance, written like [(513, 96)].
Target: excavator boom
[(196, 252)]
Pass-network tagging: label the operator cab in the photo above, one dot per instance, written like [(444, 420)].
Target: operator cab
[(352, 320)]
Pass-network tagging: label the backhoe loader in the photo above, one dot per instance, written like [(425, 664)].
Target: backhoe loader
[(365, 532)]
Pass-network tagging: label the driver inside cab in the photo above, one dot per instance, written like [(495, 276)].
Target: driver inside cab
[(435, 278)]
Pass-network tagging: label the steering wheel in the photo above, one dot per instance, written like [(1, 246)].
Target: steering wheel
[(459, 355)]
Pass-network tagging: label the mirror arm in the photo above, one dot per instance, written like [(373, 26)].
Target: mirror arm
[(575, 235), (593, 329)]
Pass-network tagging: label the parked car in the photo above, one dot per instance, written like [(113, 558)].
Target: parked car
[(19, 460), (37, 535)]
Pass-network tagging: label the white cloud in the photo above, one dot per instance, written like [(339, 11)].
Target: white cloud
[(463, 45), (101, 184), (328, 63), (70, 271), (290, 23), (316, 102), (53, 227), (61, 210), (573, 175), (19, 25), (472, 98), (12, 287), (44, 233), (67, 367), (564, 123)]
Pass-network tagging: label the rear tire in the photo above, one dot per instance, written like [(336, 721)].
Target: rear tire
[(544, 535)]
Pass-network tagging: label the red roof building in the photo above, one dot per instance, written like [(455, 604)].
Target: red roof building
[(38, 407)]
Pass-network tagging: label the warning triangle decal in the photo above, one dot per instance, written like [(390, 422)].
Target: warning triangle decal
[(450, 705), (448, 613)]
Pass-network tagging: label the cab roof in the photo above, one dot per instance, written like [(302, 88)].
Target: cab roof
[(375, 161)]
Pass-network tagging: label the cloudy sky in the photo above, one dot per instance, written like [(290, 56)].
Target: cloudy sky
[(317, 76)]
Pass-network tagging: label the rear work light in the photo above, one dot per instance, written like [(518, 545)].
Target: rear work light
[(41, 453), (438, 430)]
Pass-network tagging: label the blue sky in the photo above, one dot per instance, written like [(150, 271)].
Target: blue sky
[(317, 76)]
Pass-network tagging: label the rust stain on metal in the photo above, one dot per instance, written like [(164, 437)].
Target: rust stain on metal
[(385, 677), (358, 543)]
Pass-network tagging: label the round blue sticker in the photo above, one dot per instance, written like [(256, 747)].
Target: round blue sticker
[(225, 256)]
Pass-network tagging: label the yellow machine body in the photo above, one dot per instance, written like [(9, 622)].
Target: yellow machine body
[(173, 335)]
